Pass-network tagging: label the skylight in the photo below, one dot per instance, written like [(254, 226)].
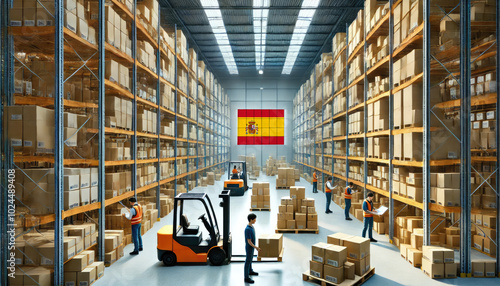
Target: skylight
[(299, 33), (215, 18), (260, 13)]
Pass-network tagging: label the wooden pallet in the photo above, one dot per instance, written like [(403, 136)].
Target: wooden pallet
[(306, 230), (490, 255), (280, 257), (260, 209), (358, 280)]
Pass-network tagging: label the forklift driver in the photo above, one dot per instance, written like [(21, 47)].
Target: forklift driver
[(235, 173)]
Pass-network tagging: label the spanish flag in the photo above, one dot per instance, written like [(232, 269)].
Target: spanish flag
[(261, 126)]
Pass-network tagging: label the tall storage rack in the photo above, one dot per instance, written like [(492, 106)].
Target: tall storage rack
[(66, 55), (457, 61)]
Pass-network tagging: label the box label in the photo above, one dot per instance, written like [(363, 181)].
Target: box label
[(315, 273), (332, 263), (16, 142), (490, 274), (331, 279), (69, 283), (46, 261), (318, 258)]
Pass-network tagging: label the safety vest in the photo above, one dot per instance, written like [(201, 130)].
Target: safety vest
[(327, 189), (235, 171), (315, 177), (346, 193), (369, 207), (137, 219)]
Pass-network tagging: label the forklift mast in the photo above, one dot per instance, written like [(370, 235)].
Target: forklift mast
[(225, 204)]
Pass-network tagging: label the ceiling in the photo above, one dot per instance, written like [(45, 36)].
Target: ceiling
[(331, 17)]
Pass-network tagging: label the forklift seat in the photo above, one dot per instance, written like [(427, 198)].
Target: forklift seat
[(186, 226), (188, 239)]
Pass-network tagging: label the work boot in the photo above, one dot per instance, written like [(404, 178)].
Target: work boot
[(373, 240), (248, 280), (140, 249), (348, 218), (253, 273), (134, 252)]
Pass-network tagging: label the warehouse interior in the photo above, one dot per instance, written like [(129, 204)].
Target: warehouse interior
[(205, 111)]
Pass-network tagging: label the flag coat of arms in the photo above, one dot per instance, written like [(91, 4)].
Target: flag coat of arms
[(261, 126)]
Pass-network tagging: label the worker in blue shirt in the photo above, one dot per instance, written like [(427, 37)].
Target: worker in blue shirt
[(368, 212), (249, 247)]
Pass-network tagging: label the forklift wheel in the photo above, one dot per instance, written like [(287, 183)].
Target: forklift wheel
[(169, 258), (217, 256)]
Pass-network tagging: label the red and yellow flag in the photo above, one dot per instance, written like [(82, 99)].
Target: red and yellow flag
[(261, 126)]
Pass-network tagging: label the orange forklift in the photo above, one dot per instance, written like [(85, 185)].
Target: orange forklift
[(184, 243)]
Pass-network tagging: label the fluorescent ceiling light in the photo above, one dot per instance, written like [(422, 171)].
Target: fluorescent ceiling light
[(215, 18), (299, 33), (260, 13)]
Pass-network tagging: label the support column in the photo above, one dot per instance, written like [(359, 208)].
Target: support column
[(426, 121)]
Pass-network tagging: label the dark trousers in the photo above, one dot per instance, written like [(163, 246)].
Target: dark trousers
[(347, 207), (136, 236), (369, 226), (328, 200), (315, 187), (248, 261)]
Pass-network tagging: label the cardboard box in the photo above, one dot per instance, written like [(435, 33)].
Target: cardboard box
[(99, 267), (335, 255), (338, 238), (357, 247), (359, 265), (111, 242), (478, 268), (78, 263), (316, 269), (333, 274), (414, 257), (433, 270), (318, 252), (270, 244), (432, 254), (87, 276), (290, 224), (349, 269)]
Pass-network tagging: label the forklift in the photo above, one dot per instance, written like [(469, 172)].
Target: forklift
[(236, 183), (186, 244)]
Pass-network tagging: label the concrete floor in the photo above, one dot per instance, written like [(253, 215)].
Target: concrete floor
[(145, 269)]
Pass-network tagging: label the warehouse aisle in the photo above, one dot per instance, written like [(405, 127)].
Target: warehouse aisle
[(145, 269)]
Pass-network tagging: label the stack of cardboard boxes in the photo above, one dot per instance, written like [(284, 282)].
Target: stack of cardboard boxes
[(482, 133), (146, 120), (210, 178), (285, 178), (148, 12), (117, 183), (117, 29), (377, 51), (374, 11), (439, 262), (118, 112), (407, 16), (356, 122), (261, 198), (484, 231), (114, 243), (296, 211), (83, 269), (356, 32), (343, 257), (482, 268)]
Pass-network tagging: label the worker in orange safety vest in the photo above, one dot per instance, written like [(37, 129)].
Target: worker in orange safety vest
[(135, 217)]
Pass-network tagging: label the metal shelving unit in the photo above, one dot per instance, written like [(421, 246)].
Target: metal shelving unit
[(467, 53), (65, 40)]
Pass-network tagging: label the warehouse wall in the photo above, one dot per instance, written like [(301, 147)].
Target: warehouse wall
[(247, 94)]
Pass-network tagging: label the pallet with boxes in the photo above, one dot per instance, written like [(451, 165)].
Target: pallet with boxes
[(285, 178), (297, 213), (343, 258), (261, 197)]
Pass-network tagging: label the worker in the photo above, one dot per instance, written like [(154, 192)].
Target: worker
[(250, 247), (328, 193), (368, 212), (315, 182), (348, 196), (235, 173), (135, 217)]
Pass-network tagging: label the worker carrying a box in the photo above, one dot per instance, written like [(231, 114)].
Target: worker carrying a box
[(328, 193), (348, 196), (135, 217), (315, 182), (368, 212), (249, 247)]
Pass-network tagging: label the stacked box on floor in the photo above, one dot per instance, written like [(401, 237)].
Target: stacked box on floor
[(285, 178), (358, 250), (328, 262), (261, 198), (296, 211)]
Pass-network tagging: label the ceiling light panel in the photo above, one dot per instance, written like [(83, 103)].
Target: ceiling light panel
[(260, 14), (299, 33), (215, 19)]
